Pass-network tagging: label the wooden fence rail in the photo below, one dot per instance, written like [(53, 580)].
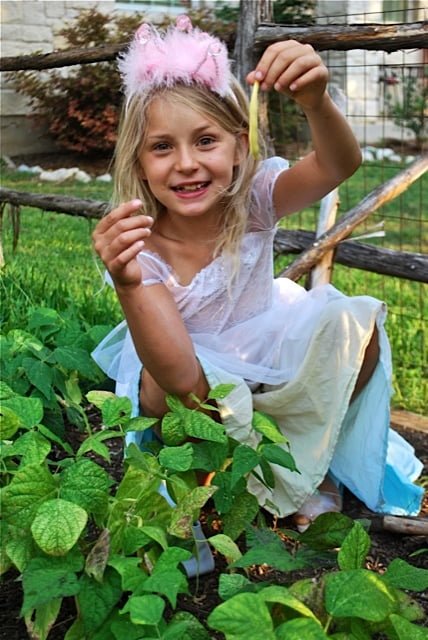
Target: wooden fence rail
[(389, 37), (412, 266)]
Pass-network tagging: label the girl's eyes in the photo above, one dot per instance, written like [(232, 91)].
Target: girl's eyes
[(161, 146), (206, 140)]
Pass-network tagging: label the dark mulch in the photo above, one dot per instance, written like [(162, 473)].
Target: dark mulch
[(204, 593)]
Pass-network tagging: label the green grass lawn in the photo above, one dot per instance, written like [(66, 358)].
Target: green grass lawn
[(54, 266)]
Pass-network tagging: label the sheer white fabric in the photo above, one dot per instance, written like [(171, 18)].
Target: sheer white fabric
[(304, 347)]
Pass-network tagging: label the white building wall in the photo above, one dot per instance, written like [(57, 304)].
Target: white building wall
[(28, 26)]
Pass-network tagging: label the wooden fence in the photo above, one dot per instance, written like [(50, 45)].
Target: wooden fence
[(253, 35)]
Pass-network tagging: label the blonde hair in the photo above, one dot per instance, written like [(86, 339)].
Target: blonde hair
[(231, 113)]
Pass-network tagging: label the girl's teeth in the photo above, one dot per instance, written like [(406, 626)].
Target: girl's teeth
[(193, 187)]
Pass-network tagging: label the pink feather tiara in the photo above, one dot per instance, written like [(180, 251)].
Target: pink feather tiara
[(182, 54)]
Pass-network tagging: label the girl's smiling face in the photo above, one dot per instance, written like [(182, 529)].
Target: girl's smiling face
[(187, 158)]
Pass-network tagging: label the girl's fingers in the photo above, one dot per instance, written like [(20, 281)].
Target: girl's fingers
[(307, 67), (313, 77), (123, 211), (283, 63), (108, 250), (125, 257)]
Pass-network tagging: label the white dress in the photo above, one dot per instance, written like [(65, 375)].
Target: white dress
[(294, 354)]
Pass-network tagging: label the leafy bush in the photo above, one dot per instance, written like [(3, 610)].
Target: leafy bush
[(71, 532), (48, 365), (81, 105), (410, 111)]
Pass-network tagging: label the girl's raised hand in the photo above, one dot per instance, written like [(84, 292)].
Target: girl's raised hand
[(118, 238), (292, 68)]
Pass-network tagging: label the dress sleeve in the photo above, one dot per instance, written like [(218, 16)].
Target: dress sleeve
[(153, 269), (262, 214)]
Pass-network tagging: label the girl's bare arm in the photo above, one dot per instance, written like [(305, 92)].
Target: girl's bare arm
[(158, 332), (296, 70)]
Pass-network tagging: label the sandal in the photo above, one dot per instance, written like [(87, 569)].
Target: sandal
[(320, 502)]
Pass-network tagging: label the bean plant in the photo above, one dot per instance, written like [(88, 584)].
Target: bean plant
[(116, 546)]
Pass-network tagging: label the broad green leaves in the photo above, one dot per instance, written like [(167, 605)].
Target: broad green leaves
[(58, 525)]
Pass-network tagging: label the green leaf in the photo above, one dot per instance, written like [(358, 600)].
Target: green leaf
[(300, 628), (199, 425), (29, 410), (76, 359), (220, 391), (267, 474), (194, 629), (187, 511), (145, 609), (177, 458), (44, 580), (33, 448), (5, 391), (99, 397), (58, 525), (94, 443), (139, 423), (158, 534), (226, 547), (273, 554), (173, 432), (86, 483), (130, 570), (278, 594), (277, 455), (39, 625), (328, 531), (9, 423), (20, 547), (227, 494), (405, 630), (402, 575), (116, 411), (354, 549), (266, 425), (168, 581), (72, 388), (243, 617), (358, 593), (49, 435), (30, 487), (96, 600), (245, 459), (209, 456), (231, 584), (40, 375), (244, 510), (133, 539), (175, 404)]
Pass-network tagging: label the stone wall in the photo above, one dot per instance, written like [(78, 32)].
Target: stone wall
[(28, 26)]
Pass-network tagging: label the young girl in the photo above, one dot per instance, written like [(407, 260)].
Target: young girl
[(189, 250)]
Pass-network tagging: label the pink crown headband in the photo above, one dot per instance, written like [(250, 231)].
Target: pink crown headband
[(181, 54)]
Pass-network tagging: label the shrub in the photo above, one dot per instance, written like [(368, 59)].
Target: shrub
[(81, 105)]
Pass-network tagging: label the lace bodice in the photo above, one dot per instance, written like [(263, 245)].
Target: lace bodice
[(206, 304)]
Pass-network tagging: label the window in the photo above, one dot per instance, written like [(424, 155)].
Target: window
[(400, 10), (166, 6)]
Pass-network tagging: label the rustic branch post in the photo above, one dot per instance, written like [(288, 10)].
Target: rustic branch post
[(251, 13), (342, 229), (322, 272)]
